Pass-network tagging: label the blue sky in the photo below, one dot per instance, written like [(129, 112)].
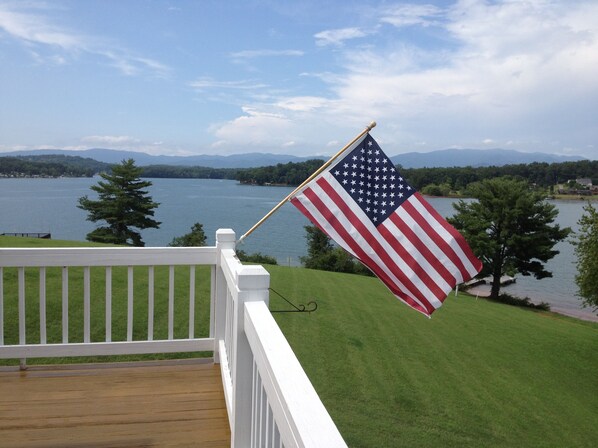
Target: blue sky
[(299, 77)]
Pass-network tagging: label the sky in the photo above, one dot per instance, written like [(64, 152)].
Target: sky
[(299, 77)]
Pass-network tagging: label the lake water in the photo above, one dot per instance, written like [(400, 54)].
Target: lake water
[(50, 205)]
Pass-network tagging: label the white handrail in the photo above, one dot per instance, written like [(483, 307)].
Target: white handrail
[(298, 415)]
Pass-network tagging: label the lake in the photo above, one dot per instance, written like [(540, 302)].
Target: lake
[(50, 205)]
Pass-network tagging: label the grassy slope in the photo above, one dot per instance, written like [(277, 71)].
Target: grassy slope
[(476, 374)]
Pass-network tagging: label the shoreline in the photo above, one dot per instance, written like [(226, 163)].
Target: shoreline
[(480, 291)]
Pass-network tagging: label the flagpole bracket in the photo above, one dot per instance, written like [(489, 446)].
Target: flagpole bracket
[(309, 308)]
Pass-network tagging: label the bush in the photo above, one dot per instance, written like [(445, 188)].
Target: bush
[(525, 302), (257, 257)]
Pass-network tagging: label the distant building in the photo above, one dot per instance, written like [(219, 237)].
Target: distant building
[(585, 182)]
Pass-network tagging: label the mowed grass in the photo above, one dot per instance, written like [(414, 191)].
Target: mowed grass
[(478, 374)]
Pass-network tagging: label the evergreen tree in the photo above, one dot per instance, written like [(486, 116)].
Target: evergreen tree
[(196, 237), (509, 228), (123, 204), (586, 249)]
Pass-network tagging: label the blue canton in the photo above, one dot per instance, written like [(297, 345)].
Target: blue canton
[(373, 182)]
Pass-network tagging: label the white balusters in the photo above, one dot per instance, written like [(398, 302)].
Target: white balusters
[(86, 305), (65, 305), (129, 303), (43, 337), (108, 320), (150, 303), (170, 302), (191, 301), (22, 337)]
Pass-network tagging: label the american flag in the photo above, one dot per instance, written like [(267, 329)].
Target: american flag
[(362, 202)]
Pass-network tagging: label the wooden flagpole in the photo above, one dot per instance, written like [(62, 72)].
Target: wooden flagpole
[(306, 181)]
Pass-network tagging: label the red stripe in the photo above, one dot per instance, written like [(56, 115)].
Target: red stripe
[(423, 249), (427, 228), (477, 264), (412, 261), (380, 274), (415, 265), (387, 260)]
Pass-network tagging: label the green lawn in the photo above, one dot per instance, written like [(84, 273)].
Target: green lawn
[(478, 374)]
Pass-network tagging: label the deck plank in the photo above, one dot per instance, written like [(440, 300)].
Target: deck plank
[(169, 404)]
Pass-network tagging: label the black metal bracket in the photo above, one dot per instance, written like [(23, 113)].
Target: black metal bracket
[(310, 308)]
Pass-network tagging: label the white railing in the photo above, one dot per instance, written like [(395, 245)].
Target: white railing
[(33, 265), (270, 400)]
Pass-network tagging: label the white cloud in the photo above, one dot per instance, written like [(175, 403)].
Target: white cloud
[(41, 35), (523, 72), (411, 14), (302, 103), (251, 54), (205, 83), (111, 139), (338, 36)]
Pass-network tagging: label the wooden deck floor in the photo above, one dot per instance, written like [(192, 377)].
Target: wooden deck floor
[(170, 404)]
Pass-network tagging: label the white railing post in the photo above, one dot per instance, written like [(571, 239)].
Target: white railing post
[(225, 239), (253, 283)]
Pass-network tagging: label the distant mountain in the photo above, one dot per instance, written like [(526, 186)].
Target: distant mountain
[(250, 160), (476, 158), (442, 158)]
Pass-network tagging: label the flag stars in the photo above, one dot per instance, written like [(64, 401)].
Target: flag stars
[(371, 180)]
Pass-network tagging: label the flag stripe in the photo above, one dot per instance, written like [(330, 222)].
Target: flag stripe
[(430, 252), (313, 214), (362, 202), (384, 259), (473, 265), (375, 256), (420, 257)]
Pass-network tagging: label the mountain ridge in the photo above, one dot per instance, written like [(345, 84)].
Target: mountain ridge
[(433, 159)]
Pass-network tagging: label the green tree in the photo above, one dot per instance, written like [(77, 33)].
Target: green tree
[(510, 228), (586, 249), (123, 204), (323, 255), (196, 237)]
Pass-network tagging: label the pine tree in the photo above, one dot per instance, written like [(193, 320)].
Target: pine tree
[(509, 228), (196, 237), (123, 204)]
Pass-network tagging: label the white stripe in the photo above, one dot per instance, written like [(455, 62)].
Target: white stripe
[(419, 258), (430, 244), (360, 240), (396, 258), (446, 236)]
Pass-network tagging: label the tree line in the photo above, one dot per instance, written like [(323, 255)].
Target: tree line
[(510, 227), (434, 181), (49, 166)]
